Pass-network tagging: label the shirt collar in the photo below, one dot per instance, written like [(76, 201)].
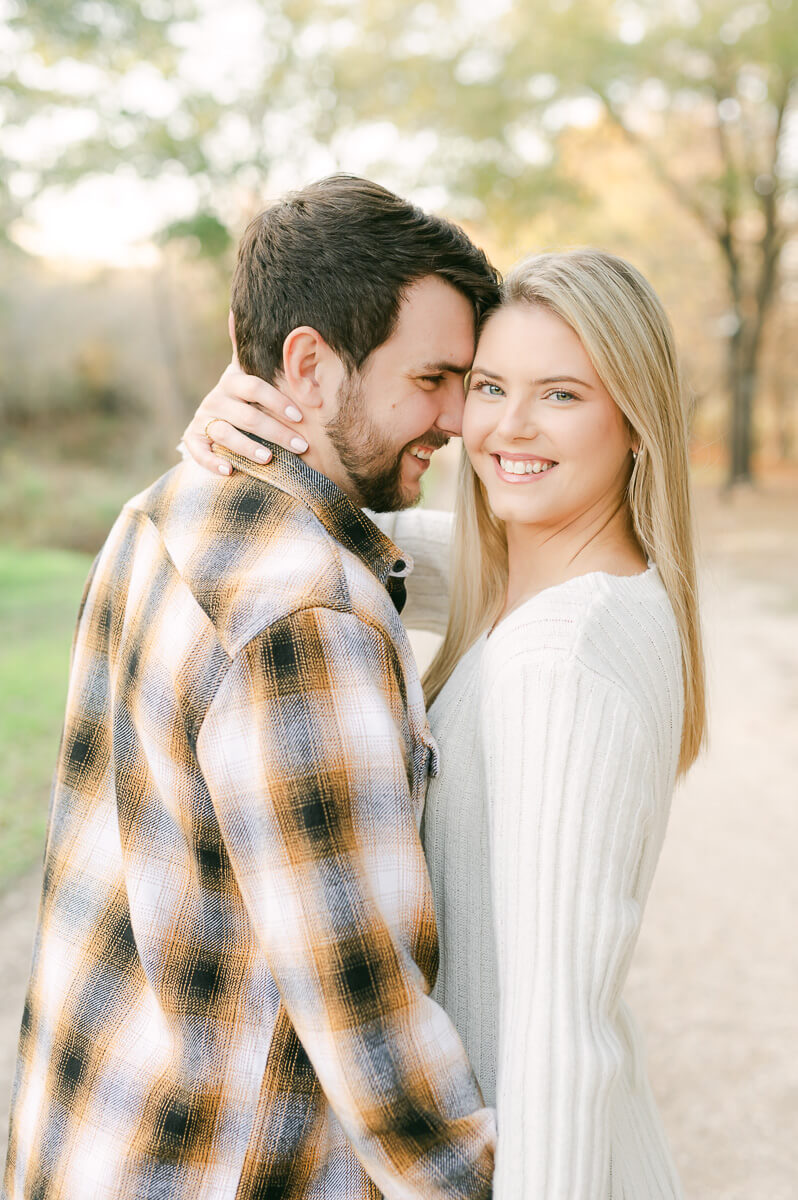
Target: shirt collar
[(342, 519)]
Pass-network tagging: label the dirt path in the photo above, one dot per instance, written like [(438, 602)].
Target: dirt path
[(715, 979)]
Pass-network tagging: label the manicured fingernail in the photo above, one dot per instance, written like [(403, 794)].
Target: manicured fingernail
[(225, 469), (298, 444), (263, 455), (293, 414)]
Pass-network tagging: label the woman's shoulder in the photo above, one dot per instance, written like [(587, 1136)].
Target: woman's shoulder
[(415, 523), (618, 628)]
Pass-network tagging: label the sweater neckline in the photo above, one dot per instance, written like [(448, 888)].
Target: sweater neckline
[(650, 572)]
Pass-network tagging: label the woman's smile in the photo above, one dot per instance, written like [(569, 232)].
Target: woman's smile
[(521, 468)]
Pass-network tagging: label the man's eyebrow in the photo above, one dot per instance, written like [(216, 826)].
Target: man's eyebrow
[(433, 368)]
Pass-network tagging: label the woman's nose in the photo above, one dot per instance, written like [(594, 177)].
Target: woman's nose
[(516, 420)]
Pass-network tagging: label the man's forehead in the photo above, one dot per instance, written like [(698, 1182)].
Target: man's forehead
[(435, 330), (435, 299)]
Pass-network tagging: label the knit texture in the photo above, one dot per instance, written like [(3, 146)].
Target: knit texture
[(559, 739)]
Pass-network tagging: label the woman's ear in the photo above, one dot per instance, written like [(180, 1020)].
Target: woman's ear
[(306, 365), (634, 437)]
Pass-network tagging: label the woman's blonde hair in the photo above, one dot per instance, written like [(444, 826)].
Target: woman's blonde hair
[(628, 338)]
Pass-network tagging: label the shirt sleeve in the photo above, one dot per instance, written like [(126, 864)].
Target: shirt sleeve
[(308, 768), (568, 773), (426, 536)]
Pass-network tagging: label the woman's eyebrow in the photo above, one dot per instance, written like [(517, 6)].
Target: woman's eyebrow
[(477, 370), (563, 379)]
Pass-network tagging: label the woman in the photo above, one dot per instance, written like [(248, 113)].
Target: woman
[(566, 698)]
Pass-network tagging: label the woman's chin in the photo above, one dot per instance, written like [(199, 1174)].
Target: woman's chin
[(520, 509)]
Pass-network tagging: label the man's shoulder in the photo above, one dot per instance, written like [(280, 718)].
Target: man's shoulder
[(252, 554)]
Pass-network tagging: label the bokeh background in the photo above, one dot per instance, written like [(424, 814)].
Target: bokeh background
[(137, 139)]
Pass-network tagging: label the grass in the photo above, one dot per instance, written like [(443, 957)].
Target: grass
[(65, 503), (40, 591)]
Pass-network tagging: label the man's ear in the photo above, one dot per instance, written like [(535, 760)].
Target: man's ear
[(307, 363)]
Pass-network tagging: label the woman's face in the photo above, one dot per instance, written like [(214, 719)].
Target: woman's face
[(541, 430)]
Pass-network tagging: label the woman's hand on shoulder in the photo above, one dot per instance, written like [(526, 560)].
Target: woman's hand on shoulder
[(240, 404)]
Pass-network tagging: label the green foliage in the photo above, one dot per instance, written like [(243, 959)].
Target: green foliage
[(39, 597), (703, 93), (493, 89), (718, 77), (69, 57), (203, 232)]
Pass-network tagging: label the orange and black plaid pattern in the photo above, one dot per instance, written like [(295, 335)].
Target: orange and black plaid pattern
[(236, 943)]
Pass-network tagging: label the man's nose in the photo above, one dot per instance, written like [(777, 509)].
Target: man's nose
[(450, 419)]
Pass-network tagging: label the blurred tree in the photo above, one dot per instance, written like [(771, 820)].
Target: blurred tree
[(59, 59), (723, 80), (95, 87), (706, 93), (703, 92)]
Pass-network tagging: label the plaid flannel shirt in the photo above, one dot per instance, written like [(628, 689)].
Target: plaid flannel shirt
[(236, 944)]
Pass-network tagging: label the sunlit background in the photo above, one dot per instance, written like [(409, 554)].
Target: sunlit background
[(136, 141)]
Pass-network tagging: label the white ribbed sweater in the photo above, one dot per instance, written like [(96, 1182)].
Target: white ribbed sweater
[(559, 739)]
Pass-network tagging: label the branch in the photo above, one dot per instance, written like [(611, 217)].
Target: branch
[(773, 238), (731, 171), (679, 192), (781, 113)]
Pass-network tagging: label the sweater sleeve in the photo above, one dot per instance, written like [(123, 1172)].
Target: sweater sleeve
[(568, 773), (425, 535)]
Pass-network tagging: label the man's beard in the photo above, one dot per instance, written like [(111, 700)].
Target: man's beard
[(368, 456)]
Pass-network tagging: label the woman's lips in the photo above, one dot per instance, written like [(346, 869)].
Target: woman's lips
[(531, 471)]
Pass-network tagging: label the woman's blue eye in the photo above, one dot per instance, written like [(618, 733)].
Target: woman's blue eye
[(493, 389)]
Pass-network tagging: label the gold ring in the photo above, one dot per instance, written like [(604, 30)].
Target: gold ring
[(207, 427)]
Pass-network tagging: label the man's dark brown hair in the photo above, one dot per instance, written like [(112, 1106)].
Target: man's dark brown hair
[(338, 256)]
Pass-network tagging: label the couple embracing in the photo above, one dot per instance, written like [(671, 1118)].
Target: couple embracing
[(310, 928)]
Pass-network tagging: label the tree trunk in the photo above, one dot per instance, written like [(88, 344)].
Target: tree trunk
[(743, 389), (743, 369), (742, 364), (784, 430)]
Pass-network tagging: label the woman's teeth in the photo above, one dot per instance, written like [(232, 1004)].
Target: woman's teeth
[(420, 452), (515, 466)]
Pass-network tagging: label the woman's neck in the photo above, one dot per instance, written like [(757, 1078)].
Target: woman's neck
[(542, 556)]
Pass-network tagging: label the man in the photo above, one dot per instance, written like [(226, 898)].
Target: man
[(230, 987)]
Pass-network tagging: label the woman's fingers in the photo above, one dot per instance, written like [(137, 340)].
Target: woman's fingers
[(230, 434), (199, 447), (235, 386), (222, 433), (241, 404)]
